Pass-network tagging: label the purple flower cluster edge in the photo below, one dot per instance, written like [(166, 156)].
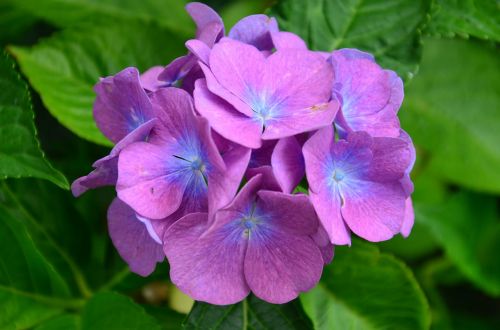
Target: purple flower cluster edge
[(252, 106)]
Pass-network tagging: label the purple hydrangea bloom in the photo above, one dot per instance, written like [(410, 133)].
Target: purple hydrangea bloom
[(355, 184), (136, 241), (261, 242), (175, 168), (369, 96), (247, 97)]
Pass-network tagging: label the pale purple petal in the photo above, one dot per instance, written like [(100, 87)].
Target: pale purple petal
[(373, 211), (269, 181), (121, 105), (288, 40), (255, 30), (132, 239), (199, 49), (203, 15), (207, 266), (224, 119), (149, 79), (409, 218), (322, 239), (177, 69), (288, 163)]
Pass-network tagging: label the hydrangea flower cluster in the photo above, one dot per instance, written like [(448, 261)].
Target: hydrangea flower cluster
[(211, 151)]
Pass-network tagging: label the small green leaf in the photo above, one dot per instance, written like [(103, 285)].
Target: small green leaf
[(467, 226), (61, 322), (65, 13), (251, 313), (452, 111), (478, 18), (366, 289), (387, 29), (20, 153), (65, 67), (110, 310)]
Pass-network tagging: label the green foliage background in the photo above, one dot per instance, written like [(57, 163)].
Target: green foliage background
[(58, 269)]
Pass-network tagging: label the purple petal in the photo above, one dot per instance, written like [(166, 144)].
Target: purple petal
[(199, 49), (132, 239), (391, 158), (322, 239), (369, 95), (203, 15), (148, 181), (106, 169), (149, 79), (327, 203), (177, 69), (255, 30), (262, 156), (280, 267), (207, 266), (121, 105), (374, 211), (268, 179), (223, 185), (224, 119), (288, 40), (288, 164)]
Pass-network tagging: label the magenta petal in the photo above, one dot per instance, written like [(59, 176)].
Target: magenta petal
[(288, 163), (146, 183), (121, 105), (288, 40), (409, 218), (207, 266), (255, 30), (282, 266), (149, 79), (132, 240), (374, 211), (224, 119)]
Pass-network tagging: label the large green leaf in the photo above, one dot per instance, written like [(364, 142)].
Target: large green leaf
[(64, 68), (467, 226), (251, 313), (452, 110), (366, 289), (30, 288), (113, 311), (20, 153), (389, 29), (64, 13), (478, 18)]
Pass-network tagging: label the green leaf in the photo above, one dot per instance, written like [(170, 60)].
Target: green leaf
[(251, 313), (366, 289), (452, 110), (64, 13), (14, 22), (20, 153), (113, 311), (478, 18), (62, 322), (31, 290), (387, 29), (467, 226), (64, 68)]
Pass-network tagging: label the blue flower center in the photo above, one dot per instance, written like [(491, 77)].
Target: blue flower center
[(338, 175)]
